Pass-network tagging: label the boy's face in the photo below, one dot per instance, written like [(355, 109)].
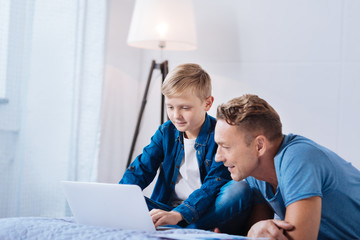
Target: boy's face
[(187, 113)]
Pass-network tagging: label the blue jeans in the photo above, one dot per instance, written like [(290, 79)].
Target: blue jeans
[(229, 212)]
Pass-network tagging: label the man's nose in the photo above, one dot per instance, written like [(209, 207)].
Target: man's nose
[(218, 157)]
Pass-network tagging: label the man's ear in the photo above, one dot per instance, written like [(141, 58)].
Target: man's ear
[(208, 103), (261, 144)]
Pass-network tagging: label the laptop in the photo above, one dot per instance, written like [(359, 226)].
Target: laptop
[(108, 205)]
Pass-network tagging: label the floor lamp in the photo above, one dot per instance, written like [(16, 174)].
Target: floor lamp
[(160, 25)]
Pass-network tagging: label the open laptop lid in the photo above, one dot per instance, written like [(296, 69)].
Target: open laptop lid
[(109, 205)]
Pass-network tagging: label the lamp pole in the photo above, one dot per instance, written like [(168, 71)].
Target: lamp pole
[(171, 31), (164, 68)]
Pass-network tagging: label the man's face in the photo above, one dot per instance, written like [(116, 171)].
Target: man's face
[(187, 113), (240, 159)]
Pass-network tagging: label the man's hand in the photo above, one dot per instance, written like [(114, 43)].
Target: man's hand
[(161, 217), (273, 229)]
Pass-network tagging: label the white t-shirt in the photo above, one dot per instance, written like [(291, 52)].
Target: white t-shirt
[(188, 179)]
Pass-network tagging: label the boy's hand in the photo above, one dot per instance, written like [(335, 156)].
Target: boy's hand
[(274, 229), (161, 217)]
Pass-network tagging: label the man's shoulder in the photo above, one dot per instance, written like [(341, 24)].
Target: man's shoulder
[(298, 147), (292, 140)]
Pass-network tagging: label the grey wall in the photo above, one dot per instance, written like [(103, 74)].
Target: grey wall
[(302, 56)]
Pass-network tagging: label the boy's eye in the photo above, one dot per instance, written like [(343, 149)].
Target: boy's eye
[(169, 107)]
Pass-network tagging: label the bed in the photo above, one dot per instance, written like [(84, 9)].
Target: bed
[(65, 228)]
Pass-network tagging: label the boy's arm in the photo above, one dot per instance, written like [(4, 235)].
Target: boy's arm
[(201, 199), (162, 217), (302, 221), (144, 168)]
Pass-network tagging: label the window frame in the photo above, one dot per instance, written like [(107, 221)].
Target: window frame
[(4, 36)]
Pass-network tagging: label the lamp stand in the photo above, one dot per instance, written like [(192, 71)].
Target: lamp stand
[(164, 71)]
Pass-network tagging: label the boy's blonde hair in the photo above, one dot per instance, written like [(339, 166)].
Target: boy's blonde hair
[(187, 77)]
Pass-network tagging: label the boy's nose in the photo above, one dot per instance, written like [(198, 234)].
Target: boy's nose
[(176, 113)]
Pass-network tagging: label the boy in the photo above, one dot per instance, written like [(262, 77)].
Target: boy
[(314, 190), (183, 148)]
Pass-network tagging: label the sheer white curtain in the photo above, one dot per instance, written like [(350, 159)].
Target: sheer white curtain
[(49, 124)]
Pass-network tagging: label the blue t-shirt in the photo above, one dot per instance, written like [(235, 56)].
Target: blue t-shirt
[(305, 169)]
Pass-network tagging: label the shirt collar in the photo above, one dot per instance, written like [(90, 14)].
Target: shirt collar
[(203, 136)]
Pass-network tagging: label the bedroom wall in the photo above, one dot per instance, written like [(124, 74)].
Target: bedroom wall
[(302, 56)]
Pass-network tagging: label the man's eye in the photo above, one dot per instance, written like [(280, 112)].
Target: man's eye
[(170, 107)]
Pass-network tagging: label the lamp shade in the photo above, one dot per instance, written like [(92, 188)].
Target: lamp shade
[(166, 24)]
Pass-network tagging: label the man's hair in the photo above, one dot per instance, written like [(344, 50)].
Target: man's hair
[(252, 115), (185, 78)]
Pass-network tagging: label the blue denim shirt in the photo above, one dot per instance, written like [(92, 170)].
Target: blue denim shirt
[(166, 151)]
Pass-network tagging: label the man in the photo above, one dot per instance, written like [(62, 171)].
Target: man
[(314, 192)]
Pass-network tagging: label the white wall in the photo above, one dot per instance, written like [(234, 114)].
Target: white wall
[(302, 56)]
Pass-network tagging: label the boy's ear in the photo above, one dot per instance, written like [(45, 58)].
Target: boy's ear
[(208, 103)]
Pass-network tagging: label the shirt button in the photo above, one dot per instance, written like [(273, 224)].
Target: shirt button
[(218, 179), (172, 183), (177, 166), (131, 168)]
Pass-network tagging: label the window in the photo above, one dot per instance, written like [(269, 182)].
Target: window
[(4, 29), (51, 65)]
